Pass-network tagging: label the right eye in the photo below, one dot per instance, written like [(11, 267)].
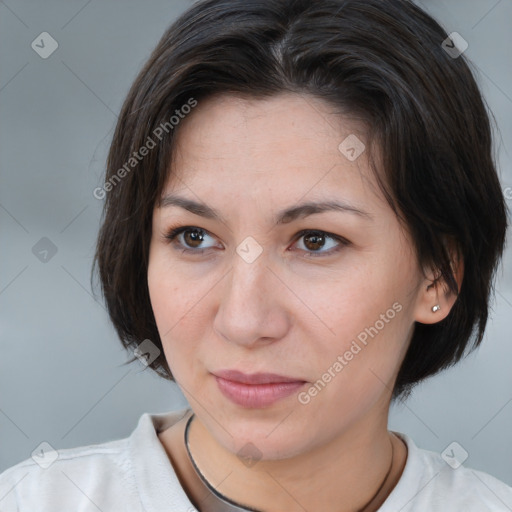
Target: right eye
[(187, 238)]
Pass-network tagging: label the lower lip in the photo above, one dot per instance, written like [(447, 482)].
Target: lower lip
[(256, 395)]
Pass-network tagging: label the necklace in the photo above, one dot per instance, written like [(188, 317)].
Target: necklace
[(221, 503)]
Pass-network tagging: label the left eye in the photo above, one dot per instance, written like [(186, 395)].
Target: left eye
[(313, 239), (189, 238)]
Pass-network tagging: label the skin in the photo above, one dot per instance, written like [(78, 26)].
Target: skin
[(287, 312)]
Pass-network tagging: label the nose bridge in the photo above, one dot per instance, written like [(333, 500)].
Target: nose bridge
[(249, 304), (249, 279)]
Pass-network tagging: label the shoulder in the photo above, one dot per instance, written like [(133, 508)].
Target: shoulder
[(437, 482), (64, 476), (113, 475)]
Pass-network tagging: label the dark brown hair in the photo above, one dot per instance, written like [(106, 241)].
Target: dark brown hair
[(380, 61)]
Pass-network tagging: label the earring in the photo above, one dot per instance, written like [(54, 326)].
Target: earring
[(435, 308)]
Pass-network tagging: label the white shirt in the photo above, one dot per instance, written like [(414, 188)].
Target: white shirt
[(134, 474)]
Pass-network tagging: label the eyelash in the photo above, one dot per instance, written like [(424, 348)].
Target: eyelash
[(174, 232)]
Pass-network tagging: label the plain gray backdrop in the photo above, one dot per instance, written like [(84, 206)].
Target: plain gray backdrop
[(62, 378)]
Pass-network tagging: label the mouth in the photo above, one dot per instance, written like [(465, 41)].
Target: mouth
[(255, 378), (256, 390)]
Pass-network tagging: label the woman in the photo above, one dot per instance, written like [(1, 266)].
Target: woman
[(302, 221)]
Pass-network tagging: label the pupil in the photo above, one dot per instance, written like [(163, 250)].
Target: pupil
[(195, 236), (316, 240)]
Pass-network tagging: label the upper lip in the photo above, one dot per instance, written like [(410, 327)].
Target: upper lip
[(254, 378)]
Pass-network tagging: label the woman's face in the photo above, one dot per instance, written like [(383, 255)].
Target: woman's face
[(332, 310)]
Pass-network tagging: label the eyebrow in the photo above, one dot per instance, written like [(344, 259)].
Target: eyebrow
[(283, 217)]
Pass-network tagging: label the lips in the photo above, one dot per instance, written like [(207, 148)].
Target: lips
[(254, 378), (256, 390)]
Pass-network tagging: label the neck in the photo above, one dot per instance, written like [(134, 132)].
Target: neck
[(340, 476)]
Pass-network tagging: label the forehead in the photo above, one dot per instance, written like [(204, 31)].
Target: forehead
[(248, 124), (293, 144)]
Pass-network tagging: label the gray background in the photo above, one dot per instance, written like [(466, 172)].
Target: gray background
[(62, 378)]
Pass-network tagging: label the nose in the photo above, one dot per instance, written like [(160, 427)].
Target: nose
[(252, 308)]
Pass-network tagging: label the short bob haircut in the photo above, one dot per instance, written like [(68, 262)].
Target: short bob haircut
[(381, 62)]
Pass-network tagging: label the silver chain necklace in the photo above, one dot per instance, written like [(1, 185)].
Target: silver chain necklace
[(221, 503)]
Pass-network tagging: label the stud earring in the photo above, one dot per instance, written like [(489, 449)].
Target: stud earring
[(435, 308)]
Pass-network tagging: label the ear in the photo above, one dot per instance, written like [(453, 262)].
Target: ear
[(434, 290)]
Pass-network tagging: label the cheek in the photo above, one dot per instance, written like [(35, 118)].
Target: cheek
[(176, 311), (181, 303), (163, 290), (175, 297), (353, 375), (358, 356), (340, 308)]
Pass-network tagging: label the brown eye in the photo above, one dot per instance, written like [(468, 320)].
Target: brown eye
[(189, 239), (193, 237), (314, 241)]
